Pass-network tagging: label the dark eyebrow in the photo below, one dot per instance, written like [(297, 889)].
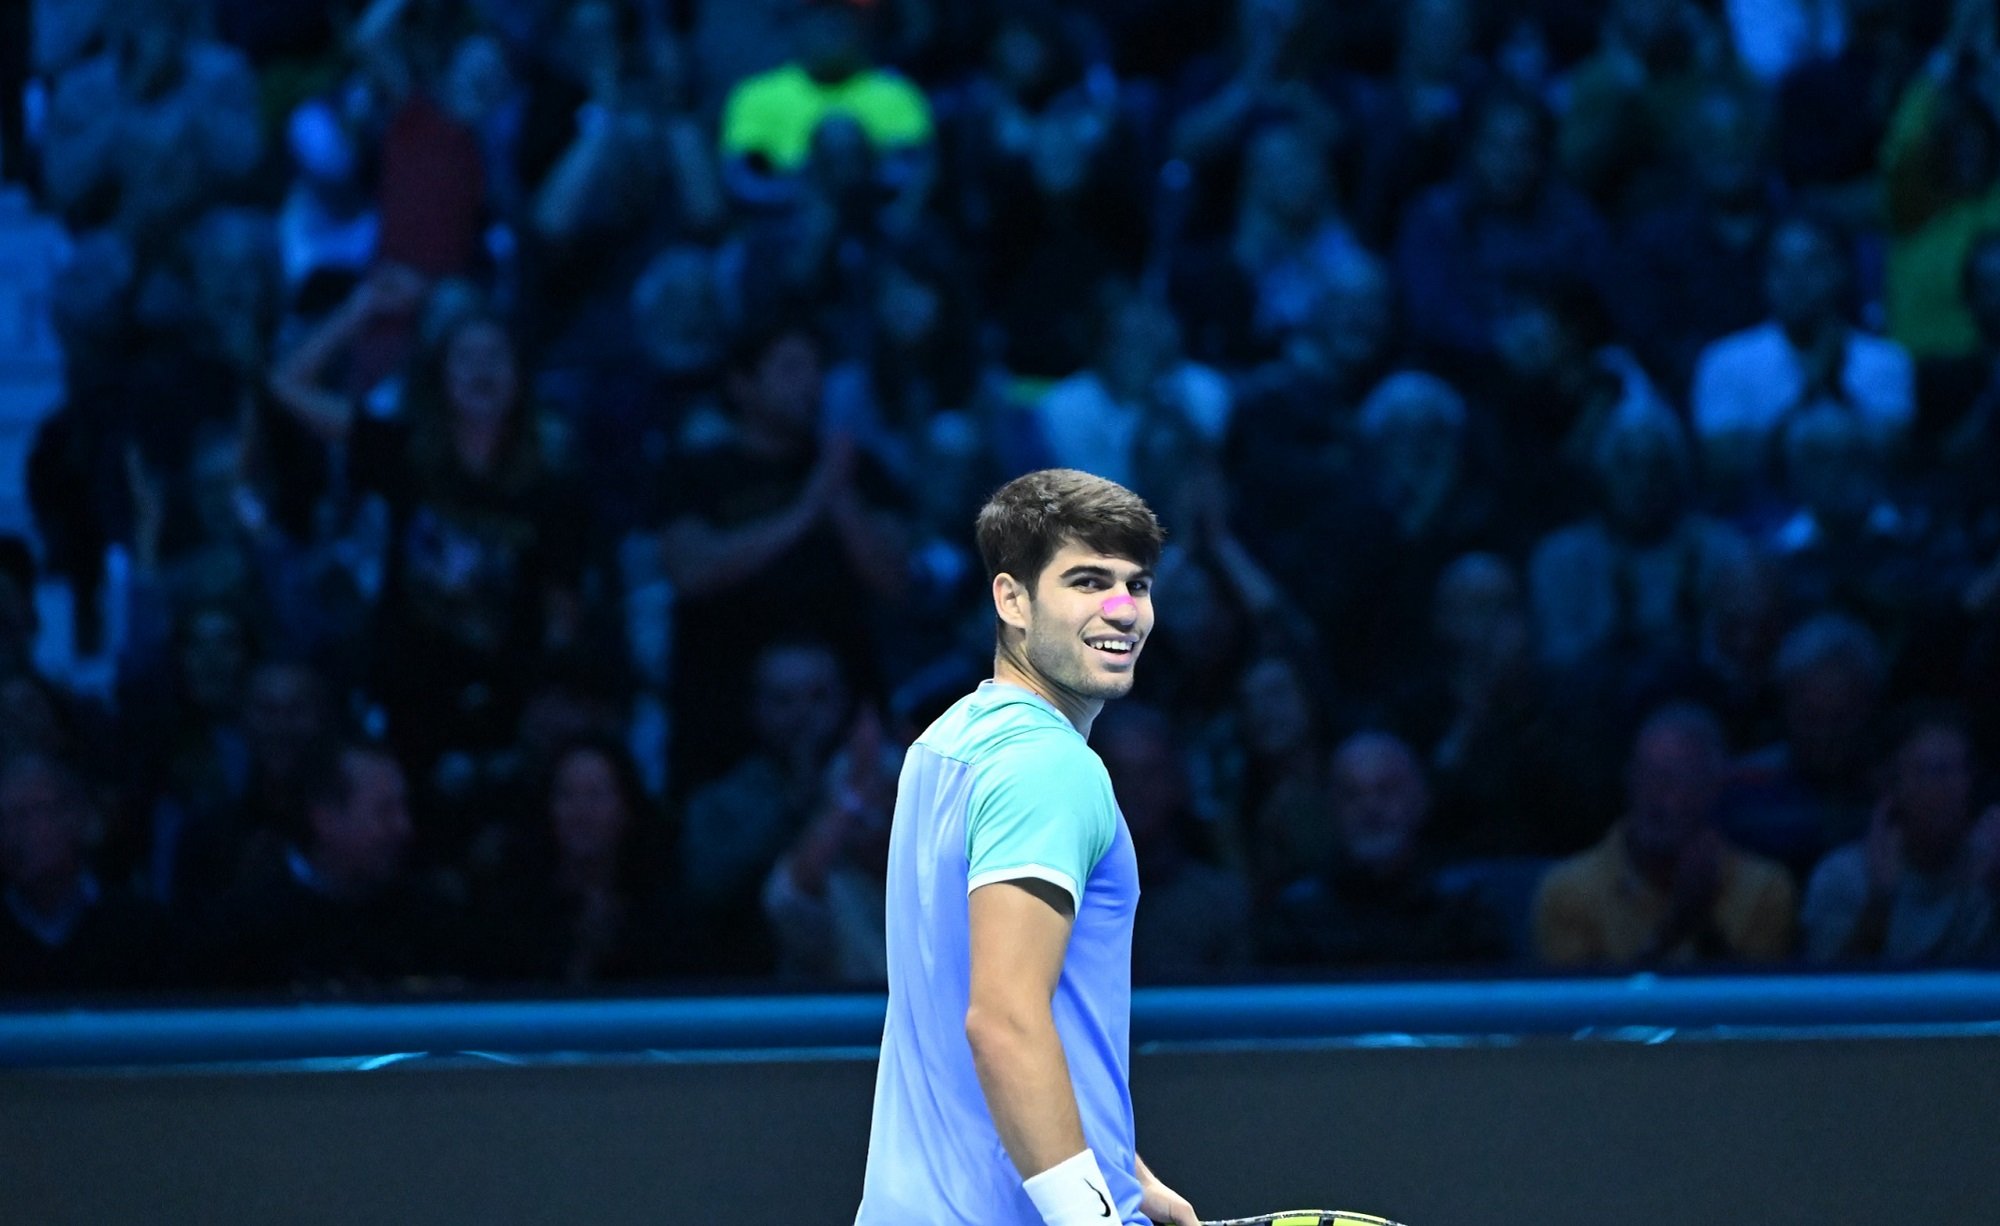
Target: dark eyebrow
[(1102, 572)]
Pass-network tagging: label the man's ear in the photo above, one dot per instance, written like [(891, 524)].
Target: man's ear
[(1011, 600)]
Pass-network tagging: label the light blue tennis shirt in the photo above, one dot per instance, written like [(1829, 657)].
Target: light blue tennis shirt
[(1000, 788)]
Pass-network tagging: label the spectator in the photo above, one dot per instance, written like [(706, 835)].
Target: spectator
[(433, 187), (769, 120), (1631, 103), (1923, 884), (327, 225), (1416, 499), (1693, 257), (1373, 901), (1731, 669), (1513, 773), (1832, 107), (485, 544), (336, 909), (737, 826), (1772, 37), (1141, 399), (1503, 218), (1806, 794), (1242, 295), (918, 359), (1294, 433), (775, 508), (195, 714), (1941, 180), (1195, 917), (1958, 418), (1268, 74), (1664, 886), (1413, 125), (579, 896), (1061, 226), (1281, 728), (824, 899), (1560, 381), (1849, 545), (1629, 580), (1747, 384), (66, 930), (138, 133)]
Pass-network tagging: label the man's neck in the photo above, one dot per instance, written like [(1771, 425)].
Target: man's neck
[(1079, 711), (1806, 335)]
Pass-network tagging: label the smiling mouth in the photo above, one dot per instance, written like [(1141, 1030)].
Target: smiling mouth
[(1116, 649)]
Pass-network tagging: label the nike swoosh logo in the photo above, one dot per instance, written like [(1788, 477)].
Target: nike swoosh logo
[(1100, 1198)]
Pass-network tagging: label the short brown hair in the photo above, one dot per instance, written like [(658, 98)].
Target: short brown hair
[(1028, 519)]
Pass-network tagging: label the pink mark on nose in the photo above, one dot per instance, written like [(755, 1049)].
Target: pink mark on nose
[(1119, 606)]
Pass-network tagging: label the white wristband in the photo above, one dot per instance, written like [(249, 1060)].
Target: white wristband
[(1073, 1193)]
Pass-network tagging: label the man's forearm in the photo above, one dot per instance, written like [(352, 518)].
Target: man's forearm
[(1025, 1077), (702, 560)]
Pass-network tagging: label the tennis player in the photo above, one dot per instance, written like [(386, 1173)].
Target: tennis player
[(1002, 1096)]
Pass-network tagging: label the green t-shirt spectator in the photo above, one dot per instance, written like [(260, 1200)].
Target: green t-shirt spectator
[(774, 114)]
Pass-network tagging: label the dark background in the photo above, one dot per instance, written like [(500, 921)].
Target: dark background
[(1530, 1133)]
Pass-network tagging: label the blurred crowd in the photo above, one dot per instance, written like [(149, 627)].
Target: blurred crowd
[(511, 496)]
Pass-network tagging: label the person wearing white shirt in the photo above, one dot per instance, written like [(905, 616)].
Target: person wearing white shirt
[(1748, 384), (1109, 418)]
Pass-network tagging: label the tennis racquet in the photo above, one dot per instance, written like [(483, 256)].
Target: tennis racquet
[(1307, 1217)]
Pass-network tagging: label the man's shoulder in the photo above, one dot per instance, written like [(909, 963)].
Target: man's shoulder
[(996, 724), (1588, 872), (1757, 874), (784, 83), (1841, 870), (1759, 344)]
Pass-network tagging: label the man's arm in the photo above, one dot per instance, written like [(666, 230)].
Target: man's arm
[(1019, 933)]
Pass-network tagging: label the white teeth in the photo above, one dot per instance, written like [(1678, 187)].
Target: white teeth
[(1115, 646)]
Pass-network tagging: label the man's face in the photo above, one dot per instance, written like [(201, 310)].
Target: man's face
[(365, 838), (283, 714), (1276, 712), (784, 389), (1356, 319), (1380, 801), (829, 42), (41, 827), (1803, 277), (1507, 157), (212, 659), (586, 807), (1088, 621), (481, 378), (1932, 779), (1478, 611), (799, 700), (1675, 781), (1642, 482), (1827, 709)]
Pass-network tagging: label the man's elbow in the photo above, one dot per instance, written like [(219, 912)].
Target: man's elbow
[(995, 1031)]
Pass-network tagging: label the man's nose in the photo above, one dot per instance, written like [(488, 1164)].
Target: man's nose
[(1119, 608)]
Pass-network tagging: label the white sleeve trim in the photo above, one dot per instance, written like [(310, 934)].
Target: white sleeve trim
[(1040, 872)]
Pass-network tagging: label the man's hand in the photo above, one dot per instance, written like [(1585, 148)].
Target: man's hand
[(1162, 1204)]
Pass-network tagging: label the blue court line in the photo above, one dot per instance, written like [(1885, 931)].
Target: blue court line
[(77, 1037)]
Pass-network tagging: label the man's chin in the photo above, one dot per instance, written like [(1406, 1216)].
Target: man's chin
[(1116, 686)]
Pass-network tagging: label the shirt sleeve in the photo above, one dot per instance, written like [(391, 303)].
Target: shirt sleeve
[(1041, 809)]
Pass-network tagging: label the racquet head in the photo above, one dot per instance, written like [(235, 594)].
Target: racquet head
[(1307, 1217)]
